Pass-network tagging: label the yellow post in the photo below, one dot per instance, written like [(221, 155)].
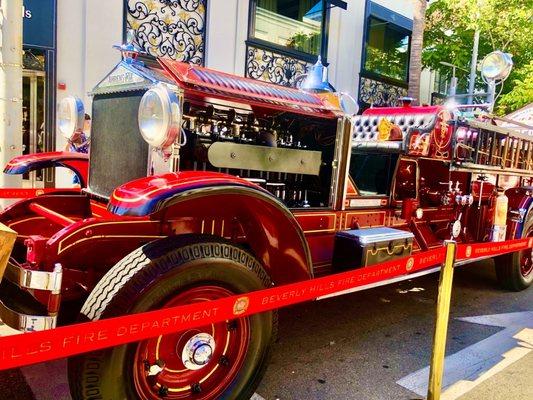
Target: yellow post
[(441, 326)]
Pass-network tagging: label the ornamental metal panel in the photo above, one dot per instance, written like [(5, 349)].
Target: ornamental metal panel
[(268, 66), (379, 93), (170, 28)]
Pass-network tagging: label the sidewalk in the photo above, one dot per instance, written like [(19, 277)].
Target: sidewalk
[(513, 383), (13, 385)]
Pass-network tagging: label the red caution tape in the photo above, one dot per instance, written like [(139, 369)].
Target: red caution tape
[(15, 193), (491, 249), (35, 347)]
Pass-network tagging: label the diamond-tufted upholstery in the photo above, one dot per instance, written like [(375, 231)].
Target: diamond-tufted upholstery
[(365, 128)]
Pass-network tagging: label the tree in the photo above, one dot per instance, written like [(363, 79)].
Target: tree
[(521, 94), (504, 25), (417, 45)]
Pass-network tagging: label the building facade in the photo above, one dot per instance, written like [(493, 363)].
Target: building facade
[(366, 43)]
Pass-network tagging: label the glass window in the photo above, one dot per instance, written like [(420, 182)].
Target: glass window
[(387, 50), (372, 173), (296, 24)]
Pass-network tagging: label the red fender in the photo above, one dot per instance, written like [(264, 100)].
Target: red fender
[(76, 162), (226, 206), (519, 199)]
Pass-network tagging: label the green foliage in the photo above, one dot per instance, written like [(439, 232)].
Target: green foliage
[(522, 93), (505, 25), (391, 64), (309, 43)]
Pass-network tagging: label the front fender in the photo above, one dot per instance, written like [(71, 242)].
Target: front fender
[(76, 162), (223, 205), (519, 199)]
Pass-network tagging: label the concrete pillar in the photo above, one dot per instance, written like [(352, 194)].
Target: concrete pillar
[(10, 87)]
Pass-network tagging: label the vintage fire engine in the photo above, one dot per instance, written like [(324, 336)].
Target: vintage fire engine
[(203, 184)]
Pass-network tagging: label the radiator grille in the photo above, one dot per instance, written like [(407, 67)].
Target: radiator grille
[(118, 152)]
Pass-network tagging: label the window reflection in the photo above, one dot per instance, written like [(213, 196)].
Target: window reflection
[(289, 23), (387, 50)]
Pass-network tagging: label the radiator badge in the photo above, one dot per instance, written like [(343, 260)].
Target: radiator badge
[(241, 305)]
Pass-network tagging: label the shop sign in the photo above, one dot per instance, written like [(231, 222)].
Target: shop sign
[(39, 23)]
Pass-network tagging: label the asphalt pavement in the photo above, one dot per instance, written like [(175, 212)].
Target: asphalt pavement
[(376, 345)]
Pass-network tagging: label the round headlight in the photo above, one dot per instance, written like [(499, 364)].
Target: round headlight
[(71, 116), (159, 117), (496, 66), (348, 104)]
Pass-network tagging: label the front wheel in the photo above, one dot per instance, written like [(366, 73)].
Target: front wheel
[(224, 360), (514, 271)]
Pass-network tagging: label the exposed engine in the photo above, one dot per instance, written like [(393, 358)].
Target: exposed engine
[(290, 155)]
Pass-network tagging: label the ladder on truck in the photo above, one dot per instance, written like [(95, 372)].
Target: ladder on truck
[(482, 147)]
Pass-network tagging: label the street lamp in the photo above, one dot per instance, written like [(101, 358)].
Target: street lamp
[(495, 69)]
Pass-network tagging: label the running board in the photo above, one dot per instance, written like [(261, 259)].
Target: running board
[(400, 278), (382, 283)]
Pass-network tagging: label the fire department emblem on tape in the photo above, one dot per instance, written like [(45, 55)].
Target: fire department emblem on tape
[(410, 264), (39, 192), (468, 251), (241, 305)]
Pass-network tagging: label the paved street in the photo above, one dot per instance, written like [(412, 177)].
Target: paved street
[(366, 345)]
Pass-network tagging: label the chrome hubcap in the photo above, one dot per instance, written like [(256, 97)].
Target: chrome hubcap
[(198, 351)]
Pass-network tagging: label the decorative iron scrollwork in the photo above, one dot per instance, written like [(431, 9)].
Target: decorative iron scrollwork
[(379, 93), (170, 28), (266, 65)]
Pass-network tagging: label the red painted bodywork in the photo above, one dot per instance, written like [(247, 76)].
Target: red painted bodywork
[(76, 162), (291, 244), (207, 82), (404, 110), (144, 196)]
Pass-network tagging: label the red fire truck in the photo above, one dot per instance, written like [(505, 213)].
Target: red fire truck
[(203, 184)]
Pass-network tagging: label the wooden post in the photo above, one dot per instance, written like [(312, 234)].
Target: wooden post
[(441, 326)]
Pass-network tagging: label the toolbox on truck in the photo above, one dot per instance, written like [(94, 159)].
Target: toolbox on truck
[(362, 247)]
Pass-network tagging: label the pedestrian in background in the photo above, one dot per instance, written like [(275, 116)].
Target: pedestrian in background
[(80, 143), (80, 140)]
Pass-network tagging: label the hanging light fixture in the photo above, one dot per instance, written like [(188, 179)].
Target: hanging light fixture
[(316, 80)]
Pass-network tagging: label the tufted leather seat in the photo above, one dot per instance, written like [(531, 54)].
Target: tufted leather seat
[(365, 129)]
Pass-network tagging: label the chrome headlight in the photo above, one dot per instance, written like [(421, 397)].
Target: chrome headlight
[(496, 66), (159, 117), (71, 116)]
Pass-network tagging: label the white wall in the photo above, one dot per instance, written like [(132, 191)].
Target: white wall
[(403, 7), (227, 31), (103, 30), (86, 32), (345, 46), (70, 63)]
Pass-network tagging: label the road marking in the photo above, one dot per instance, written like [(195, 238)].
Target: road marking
[(257, 397), (469, 367)]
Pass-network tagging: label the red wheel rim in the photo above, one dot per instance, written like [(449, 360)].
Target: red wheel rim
[(160, 372), (526, 261)]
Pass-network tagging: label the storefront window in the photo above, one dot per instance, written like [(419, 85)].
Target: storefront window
[(294, 24), (387, 50)]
